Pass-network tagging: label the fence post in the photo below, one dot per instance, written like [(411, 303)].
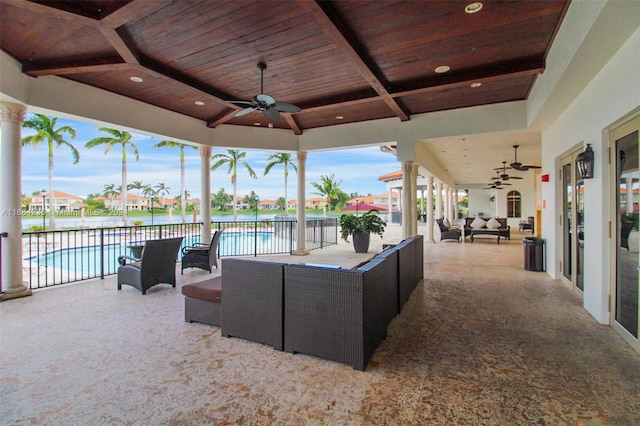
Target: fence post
[(102, 253)]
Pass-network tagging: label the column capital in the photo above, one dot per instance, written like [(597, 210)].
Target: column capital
[(407, 166), (205, 151), (302, 155), (12, 112), (430, 180)]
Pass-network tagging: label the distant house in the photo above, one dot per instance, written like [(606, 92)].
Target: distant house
[(63, 202), (376, 200), (315, 203), (134, 202), (240, 204), (269, 205)]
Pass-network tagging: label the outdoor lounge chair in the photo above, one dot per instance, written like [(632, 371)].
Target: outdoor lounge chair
[(203, 256), (447, 233), (157, 265)]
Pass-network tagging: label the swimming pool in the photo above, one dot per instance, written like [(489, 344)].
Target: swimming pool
[(74, 263)]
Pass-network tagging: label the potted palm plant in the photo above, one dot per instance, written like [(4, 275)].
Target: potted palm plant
[(361, 228)]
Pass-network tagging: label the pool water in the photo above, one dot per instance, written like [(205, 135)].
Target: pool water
[(85, 262)]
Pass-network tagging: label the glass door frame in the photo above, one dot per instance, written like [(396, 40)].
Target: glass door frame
[(615, 134), (570, 159)]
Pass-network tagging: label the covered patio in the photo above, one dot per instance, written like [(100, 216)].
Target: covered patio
[(481, 341)]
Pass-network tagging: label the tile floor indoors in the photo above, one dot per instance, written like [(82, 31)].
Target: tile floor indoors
[(481, 341)]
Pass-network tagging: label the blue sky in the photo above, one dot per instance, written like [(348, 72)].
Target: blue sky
[(358, 169)]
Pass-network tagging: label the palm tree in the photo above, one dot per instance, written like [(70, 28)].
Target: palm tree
[(45, 128), (233, 157), (110, 191), (162, 189), (283, 158), (124, 140), (328, 188), (183, 199)]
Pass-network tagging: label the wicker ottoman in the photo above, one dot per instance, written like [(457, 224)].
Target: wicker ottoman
[(202, 301)]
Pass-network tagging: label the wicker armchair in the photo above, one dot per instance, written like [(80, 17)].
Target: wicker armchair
[(203, 256), (157, 265)]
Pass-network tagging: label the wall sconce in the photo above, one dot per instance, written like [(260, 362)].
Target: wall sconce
[(585, 163)]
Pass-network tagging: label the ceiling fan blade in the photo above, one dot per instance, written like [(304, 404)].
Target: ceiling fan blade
[(245, 111), (532, 167), (513, 177), (285, 107), (272, 114), (241, 102)]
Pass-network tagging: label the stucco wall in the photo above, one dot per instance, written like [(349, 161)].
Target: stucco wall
[(614, 93)]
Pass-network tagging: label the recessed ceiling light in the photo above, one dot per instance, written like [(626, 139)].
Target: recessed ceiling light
[(271, 125), (256, 124), (474, 85), (473, 7), (136, 79), (442, 69), (339, 117), (200, 103)]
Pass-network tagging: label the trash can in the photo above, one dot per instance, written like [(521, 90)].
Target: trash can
[(533, 254)]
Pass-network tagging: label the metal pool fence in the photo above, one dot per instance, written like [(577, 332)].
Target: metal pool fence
[(59, 257)]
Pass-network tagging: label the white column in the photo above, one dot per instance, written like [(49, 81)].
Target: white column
[(449, 205), (390, 203), (422, 206), (429, 234), (11, 118), (407, 171), (414, 200), (629, 194), (301, 238), (205, 193), (438, 213)]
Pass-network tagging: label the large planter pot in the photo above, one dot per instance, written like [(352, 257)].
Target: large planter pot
[(361, 241)]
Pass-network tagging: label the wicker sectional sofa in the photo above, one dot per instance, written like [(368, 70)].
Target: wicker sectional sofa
[(336, 314)]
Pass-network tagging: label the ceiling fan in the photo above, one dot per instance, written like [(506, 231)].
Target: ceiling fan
[(265, 103), (504, 175), (519, 166), (497, 183)]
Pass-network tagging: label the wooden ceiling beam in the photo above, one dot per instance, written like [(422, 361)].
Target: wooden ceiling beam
[(291, 121), (215, 122), (333, 26), (75, 67)]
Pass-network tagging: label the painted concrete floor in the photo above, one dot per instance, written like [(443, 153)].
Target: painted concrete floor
[(480, 342)]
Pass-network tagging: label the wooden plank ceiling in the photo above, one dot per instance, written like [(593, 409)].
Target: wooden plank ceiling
[(340, 62)]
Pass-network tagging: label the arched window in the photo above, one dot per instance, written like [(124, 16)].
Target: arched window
[(513, 204)]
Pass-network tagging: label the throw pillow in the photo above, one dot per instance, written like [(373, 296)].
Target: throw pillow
[(447, 223), (478, 223), (441, 225), (493, 224)]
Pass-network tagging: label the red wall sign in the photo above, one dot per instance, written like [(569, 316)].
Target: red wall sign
[(545, 178)]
